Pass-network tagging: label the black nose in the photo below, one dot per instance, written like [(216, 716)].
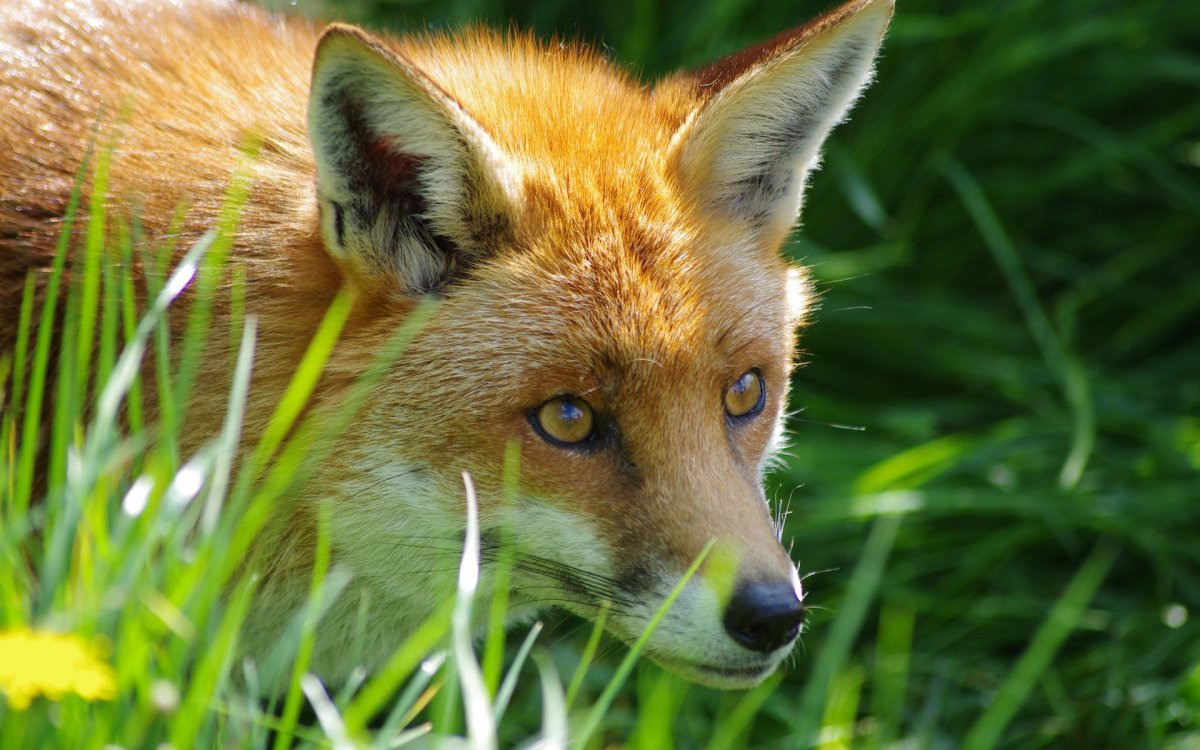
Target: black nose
[(764, 616)]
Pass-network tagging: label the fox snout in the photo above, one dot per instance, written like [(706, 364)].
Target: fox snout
[(764, 610)]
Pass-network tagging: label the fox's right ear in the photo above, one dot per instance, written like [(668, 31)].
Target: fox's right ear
[(758, 117), (410, 186)]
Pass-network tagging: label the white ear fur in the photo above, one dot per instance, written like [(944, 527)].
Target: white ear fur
[(406, 178), (749, 148)]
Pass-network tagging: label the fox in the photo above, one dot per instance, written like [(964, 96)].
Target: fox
[(606, 259)]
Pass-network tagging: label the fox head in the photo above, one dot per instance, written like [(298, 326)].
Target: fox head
[(612, 300)]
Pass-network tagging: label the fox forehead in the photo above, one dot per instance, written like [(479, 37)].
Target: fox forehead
[(552, 103), (609, 305)]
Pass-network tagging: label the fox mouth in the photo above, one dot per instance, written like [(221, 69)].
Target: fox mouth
[(720, 675)]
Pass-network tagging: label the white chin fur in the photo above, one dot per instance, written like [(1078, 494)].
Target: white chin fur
[(721, 678)]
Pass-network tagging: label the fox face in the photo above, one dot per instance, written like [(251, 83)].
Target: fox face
[(612, 301)]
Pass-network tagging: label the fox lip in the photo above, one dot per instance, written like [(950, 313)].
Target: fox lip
[(721, 675), (743, 672)]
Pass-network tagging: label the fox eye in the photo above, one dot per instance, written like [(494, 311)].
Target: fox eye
[(565, 421), (746, 396)]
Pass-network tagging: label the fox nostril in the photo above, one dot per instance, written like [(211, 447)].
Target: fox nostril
[(764, 616)]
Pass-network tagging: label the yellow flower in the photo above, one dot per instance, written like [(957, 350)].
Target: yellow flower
[(51, 664)]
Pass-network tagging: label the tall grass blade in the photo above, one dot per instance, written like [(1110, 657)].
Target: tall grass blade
[(1074, 381), (291, 704), (129, 363), (305, 380), (841, 710), (893, 655), (733, 724), (209, 280), (415, 696), (380, 689), (93, 250), (41, 355), (589, 652), (13, 398), (1059, 623), (554, 706), (327, 713), (227, 444), (477, 704), (835, 654), (504, 694), (501, 571), (591, 721)]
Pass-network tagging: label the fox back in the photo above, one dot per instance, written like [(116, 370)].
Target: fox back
[(604, 255)]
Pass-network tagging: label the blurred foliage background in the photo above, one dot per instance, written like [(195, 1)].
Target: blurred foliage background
[(997, 439)]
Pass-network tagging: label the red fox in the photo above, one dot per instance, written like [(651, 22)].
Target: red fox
[(606, 256)]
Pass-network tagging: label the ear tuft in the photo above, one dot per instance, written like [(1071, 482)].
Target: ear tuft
[(404, 174), (764, 112)]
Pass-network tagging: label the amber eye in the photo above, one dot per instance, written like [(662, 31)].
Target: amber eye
[(746, 396), (565, 420)]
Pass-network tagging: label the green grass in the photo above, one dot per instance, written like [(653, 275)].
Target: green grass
[(1005, 238)]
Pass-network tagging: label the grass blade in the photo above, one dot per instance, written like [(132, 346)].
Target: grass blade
[(41, 352), (595, 715), (893, 652), (1059, 622), (291, 704), (476, 703), (554, 705), (841, 710), (864, 584), (589, 652), (504, 694), (1074, 381), (733, 724)]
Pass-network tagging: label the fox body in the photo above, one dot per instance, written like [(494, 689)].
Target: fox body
[(605, 254)]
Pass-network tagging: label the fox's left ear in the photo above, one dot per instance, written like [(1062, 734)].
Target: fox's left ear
[(412, 189), (763, 113)]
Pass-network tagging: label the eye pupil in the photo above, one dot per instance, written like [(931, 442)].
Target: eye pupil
[(570, 412)]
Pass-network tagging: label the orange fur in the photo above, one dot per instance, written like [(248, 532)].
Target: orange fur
[(608, 245)]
